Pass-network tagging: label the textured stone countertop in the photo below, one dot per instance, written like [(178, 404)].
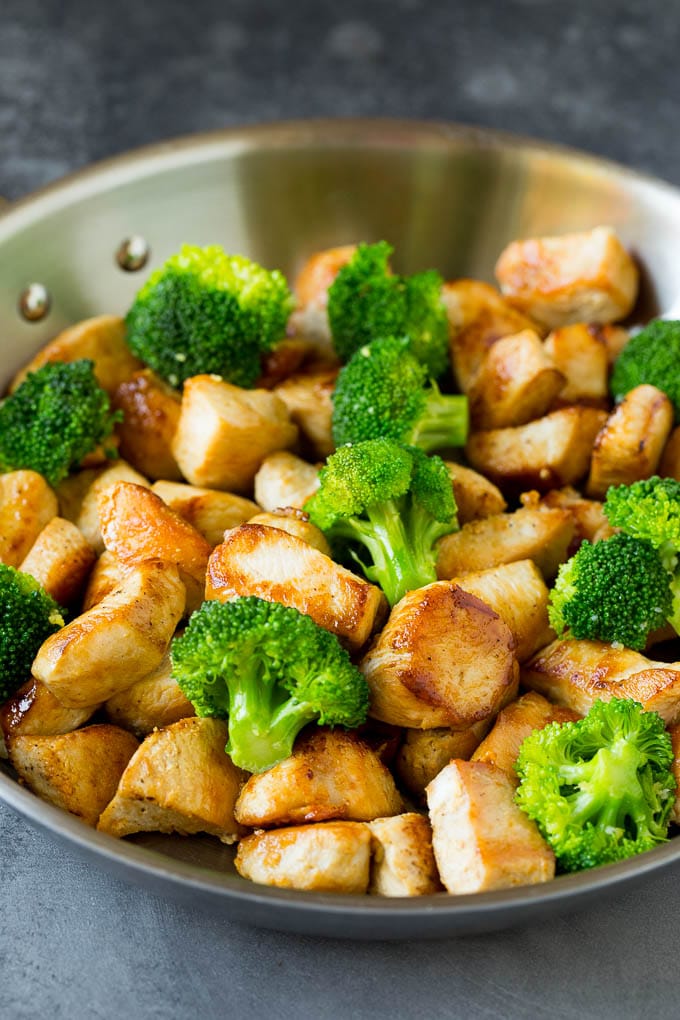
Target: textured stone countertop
[(80, 81)]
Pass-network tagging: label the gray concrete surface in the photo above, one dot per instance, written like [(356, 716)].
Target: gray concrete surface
[(81, 80)]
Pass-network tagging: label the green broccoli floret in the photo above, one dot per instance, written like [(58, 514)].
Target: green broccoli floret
[(367, 302), (269, 670), (205, 311), (28, 616), (390, 501), (600, 789), (382, 392), (652, 356), (650, 509), (616, 590), (53, 419)]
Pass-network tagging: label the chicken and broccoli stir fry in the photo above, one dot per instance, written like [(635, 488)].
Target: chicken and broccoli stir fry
[(364, 578)]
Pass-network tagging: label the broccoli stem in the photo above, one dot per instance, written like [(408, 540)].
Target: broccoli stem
[(397, 564), (264, 719), (443, 423)]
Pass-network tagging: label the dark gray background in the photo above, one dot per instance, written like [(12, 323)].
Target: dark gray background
[(83, 80)]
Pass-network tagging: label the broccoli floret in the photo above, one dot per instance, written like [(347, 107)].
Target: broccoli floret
[(382, 392), (616, 590), (367, 302), (29, 616), (53, 419), (650, 510), (269, 670), (205, 311), (390, 501), (652, 356), (600, 789)]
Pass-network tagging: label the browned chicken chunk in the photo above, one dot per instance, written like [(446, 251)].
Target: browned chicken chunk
[(403, 860), (514, 723), (76, 771), (117, 642), (333, 857), (180, 780), (577, 673), (424, 753), (331, 774), (27, 505), (444, 658), (585, 277), (536, 533), (280, 567), (481, 838), (102, 339)]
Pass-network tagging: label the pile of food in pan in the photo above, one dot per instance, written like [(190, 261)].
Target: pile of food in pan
[(368, 578)]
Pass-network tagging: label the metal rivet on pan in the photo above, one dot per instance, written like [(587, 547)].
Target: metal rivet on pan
[(133, 254), (34, 302)]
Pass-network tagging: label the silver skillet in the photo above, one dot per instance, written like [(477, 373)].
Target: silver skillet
[(446, 196)]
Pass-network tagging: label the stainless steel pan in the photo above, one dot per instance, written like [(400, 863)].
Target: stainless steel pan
[(445, 196)]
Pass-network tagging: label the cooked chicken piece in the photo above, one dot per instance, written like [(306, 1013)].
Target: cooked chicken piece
[(71, 492), (180, 780), (27, 505), (60, 560), (137, 525), (107, 574), (102, 339), (536, 533), (311, 289), (589, 519), (481, 838), (286, 358), (333, 857), (77, 771), (614, 338), (319, 272), (273, 565), (86, 516), (225, 432), (150, 418), (630, 443), (117, 642), (577, 673), (516, 382), (330, 774), (33, 710), (586, 277), (513, 724), (152, 702), (424, 753), (308, 397), (580, 353), (476, 496), (294, 522), (403, 860), (284, 480), (210, 511), (478, 317), (551, 451), (444, 658), (669, 465), (674, 732), (518, 593)]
